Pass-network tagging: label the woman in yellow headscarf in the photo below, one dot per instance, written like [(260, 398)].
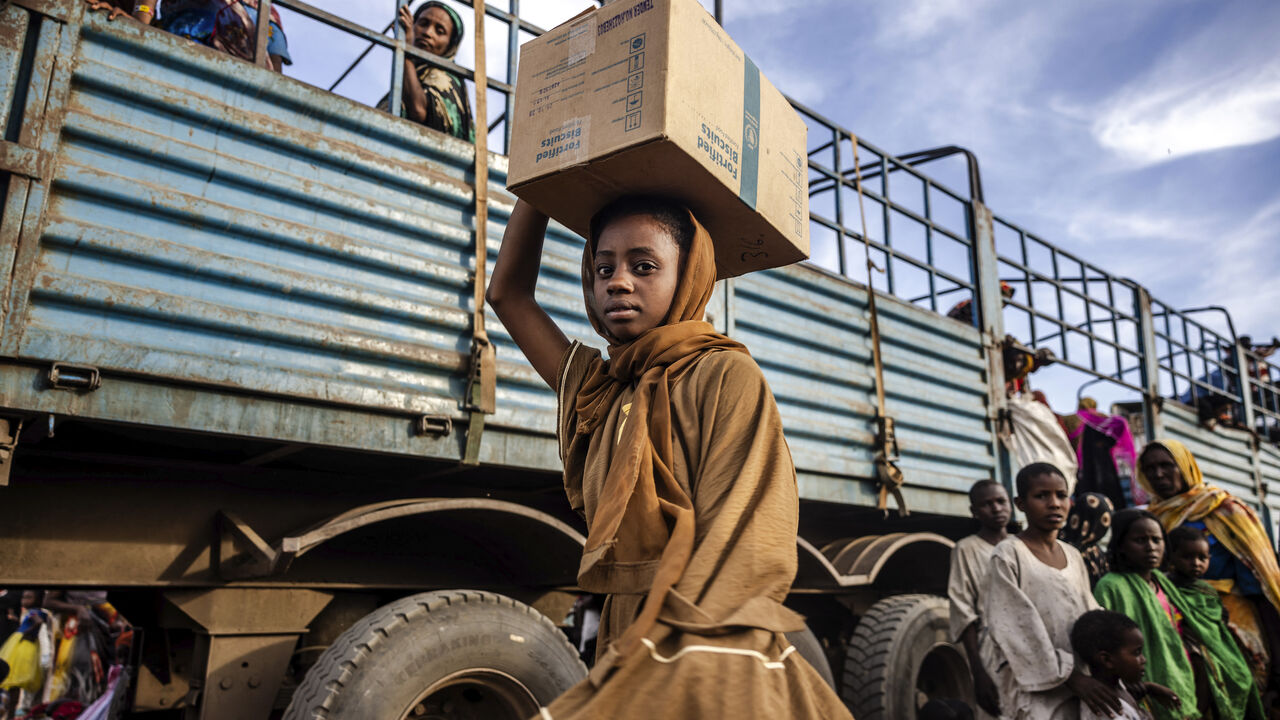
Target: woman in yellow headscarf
[(1242, 561)]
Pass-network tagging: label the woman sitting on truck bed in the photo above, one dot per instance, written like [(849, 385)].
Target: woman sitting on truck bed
[(673, 451), (432, 96), (1242, 562)]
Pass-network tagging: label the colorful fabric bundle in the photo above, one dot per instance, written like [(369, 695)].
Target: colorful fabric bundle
[(226, 25), (23, 652)]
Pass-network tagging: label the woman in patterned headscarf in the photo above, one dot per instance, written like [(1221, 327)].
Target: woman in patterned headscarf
[(433, 96), (1087, 523), (1242, 561)]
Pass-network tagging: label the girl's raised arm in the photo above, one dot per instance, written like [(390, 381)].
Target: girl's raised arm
[(510, 293), (413, 97)]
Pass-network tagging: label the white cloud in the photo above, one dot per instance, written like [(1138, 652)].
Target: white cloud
[(794, 82), (1217, 86), (1241, 271), (1098, 226), (736, 11), (1193, 257), (913, 20), (1167, 116)]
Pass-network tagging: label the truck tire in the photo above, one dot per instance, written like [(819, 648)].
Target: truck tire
[(445, 655), (809, 648), (899, 658)]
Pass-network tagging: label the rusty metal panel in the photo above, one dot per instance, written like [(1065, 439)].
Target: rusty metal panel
[(212, 223), (1224, 455), (1269, 459), (526, 406), (13, 33), (1269, 463), (808, 329), (241, 253)]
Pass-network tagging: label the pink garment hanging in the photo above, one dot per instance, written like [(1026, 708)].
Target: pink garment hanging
[(1124, 453)]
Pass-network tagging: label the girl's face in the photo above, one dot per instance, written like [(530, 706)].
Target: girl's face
[(1163, 473), (1191, 559), (28, 598), (1046, 502), (1143, 546), (637, 267), (432, 30)]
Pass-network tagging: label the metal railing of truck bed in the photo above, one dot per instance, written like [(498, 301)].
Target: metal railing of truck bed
[(1265, 395), (1098, 324), (922, 236), (917, 228), (510, 18)]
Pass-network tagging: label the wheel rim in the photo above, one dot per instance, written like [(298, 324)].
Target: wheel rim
[(474, 694), (943, 674)]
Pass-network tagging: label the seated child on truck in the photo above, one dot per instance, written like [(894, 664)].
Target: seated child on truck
[(970, 558), (1036, 587), (230, 26), (673, 452)]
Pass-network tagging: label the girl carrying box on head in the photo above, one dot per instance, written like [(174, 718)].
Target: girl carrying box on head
[(674, 454)]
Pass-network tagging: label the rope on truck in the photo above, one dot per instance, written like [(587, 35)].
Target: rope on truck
[(482, 377), (888, 476)]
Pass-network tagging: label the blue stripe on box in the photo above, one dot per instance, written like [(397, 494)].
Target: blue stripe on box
[(750, 132)]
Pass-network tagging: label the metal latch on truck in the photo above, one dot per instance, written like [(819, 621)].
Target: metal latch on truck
[(64, 376)]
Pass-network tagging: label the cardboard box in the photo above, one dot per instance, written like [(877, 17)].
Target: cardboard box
[(652, 96)]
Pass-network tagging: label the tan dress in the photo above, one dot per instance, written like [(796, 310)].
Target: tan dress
[(1029, 608), (718, 649), (970, 559)]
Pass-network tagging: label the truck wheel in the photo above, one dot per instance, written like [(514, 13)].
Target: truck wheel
[(447, 655), (809, 648), (899, 658)]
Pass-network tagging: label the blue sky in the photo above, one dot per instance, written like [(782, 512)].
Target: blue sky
[(1143, 136)]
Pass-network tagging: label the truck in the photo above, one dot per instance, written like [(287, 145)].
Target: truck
[(244, 386)]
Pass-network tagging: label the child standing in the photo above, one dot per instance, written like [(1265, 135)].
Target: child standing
[(1036, 587), (1111, 644), (970, 558), (673, 452), (1174, 634)]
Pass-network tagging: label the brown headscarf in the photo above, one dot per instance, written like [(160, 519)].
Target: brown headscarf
[(642, 534)]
